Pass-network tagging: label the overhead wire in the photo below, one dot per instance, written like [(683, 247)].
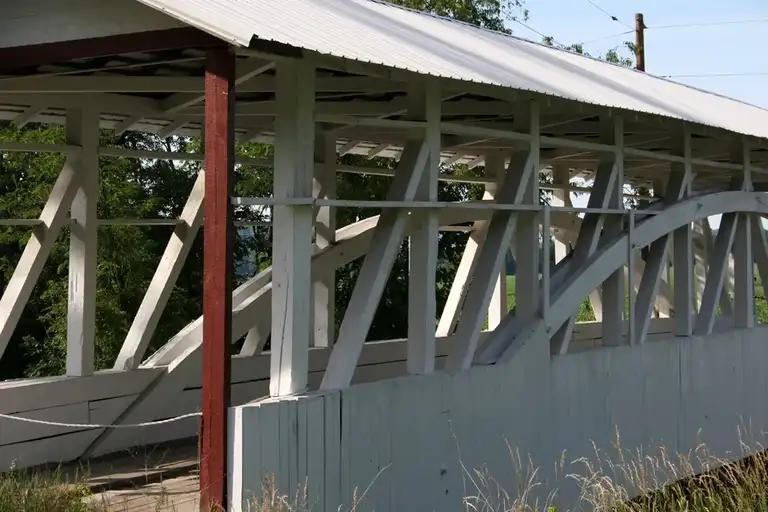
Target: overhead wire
[(713, 75), (614, 18), (602, 38), (537, 32), (707, 24), (680, 25), (712, 24)]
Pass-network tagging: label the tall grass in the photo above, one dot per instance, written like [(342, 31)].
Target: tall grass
[(627, 481), (695, 482), (40, 492), (633, 481)]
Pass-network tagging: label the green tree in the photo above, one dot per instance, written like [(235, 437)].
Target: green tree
[(490, 14)]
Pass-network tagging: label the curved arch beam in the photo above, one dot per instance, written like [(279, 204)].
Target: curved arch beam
[(615, 254), (252, 299), (351, 242)]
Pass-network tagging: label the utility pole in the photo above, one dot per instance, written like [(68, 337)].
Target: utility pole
[(639, 42)]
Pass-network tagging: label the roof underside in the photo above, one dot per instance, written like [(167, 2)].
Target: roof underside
[(380, 33), (149, 91)]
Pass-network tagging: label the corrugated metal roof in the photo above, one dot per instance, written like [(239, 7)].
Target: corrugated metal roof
[(380, 33)]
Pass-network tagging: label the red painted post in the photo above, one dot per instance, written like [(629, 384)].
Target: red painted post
[(217, 275)]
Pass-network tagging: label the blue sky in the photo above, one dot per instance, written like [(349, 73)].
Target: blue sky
[(695, 50)]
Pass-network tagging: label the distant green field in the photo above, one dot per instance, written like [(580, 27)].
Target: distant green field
[(586, 315)]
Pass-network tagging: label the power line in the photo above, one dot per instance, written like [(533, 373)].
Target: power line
[(607, 37), (709, 24), (614, 18), (715, 75), (537, 32)]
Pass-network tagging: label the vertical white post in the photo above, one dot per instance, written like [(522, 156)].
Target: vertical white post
[(324, 288), (527, 253), (522, 169), (608, 171), (546, 267), (658, 256), (465, 270), (497, 310), (83, 129), (726, 309), (631, 292), (385, 244), (743, 259), (716, 275), (760, 247), (682, 253), (744, 274), (613, 287), (700, 248), (424, 103), (292, 239), (561, 197)]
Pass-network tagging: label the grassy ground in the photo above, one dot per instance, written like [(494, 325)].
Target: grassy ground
[(586, 314), (40, 493), (736, 487)]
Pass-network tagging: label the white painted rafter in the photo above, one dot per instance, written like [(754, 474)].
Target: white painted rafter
[(170, 128), (28, 115), (160, 84), (246, 70)]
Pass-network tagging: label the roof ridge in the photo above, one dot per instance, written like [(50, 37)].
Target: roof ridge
[(549, 47)]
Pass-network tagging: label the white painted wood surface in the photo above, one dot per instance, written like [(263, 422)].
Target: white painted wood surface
[(83, 130), (324, 287), (424, 104), (50, 21), (405, 439), (292, 241), (104, 396)]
